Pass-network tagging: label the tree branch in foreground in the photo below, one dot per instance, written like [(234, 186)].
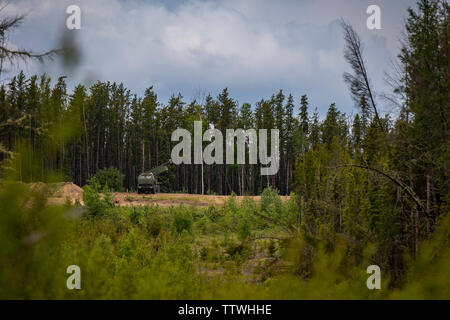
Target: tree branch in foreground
[(399, 183)]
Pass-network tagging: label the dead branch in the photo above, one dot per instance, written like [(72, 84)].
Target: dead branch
[(399, 183), (358, 82)]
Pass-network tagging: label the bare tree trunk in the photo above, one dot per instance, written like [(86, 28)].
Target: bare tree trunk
[(209, 177), (98, 148), (143, 156), (203, 181), (149, 156), (428, 204), (86, 143), (287, 178), (243, 179), (428, 194), (157, 142), (415, 213), (81, 172)]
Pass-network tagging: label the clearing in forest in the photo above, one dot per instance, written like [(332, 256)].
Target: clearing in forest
[(177, 199)]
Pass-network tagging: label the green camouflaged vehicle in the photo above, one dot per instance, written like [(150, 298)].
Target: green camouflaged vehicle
[(148, 182)]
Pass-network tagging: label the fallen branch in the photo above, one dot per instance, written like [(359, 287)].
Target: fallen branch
[(399, 183)]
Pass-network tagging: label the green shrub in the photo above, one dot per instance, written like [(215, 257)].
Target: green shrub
[(271, 203), (231, 205), (204, 253), (137, 215), (291, 209), (212, 213), (234, 248), (128, 245), (203, 225), (110, 177), (155, 224), (96, 206), (272, 248), (244, 228), (182, 221)]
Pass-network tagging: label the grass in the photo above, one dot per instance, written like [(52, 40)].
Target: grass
[(218, 252)]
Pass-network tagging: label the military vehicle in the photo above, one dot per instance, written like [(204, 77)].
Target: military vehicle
[(148, 182)]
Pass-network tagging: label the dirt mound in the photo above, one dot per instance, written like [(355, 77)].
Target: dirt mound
[(38, 186), (59, 193), (68, 190)]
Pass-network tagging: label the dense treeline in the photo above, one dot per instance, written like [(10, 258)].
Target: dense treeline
[(113, 128)]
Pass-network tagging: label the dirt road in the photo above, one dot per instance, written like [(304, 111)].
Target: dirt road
[(60, 193), (176, 199)]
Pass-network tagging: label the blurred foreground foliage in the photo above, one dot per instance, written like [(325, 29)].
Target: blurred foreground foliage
[(157, 253)]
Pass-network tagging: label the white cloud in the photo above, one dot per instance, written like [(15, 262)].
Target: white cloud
[(253, 47)]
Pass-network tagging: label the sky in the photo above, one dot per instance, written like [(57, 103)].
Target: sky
[(253, 47)]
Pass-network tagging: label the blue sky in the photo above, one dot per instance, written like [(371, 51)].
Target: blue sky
[(253, 47)]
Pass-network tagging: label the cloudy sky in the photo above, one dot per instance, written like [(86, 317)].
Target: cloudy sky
[(253, 47)]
